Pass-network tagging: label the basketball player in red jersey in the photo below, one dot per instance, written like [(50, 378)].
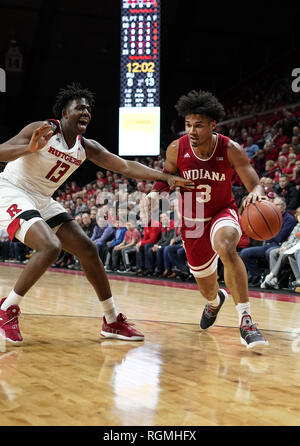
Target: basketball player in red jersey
[(40, 159), (210, 223)]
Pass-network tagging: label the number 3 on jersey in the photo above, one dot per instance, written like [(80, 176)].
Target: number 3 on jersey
[(64, 168), (205, 193)]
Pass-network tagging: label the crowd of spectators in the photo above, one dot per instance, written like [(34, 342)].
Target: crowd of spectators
[(112, 209)]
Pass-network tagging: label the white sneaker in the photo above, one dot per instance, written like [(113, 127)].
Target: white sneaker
[(268, 280), (274, 283)]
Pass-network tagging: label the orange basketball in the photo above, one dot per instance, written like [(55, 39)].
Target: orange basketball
[(261, 220)]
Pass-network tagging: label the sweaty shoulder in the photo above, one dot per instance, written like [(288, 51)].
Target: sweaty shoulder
[(172, 150), (236, 154), (171, 157)]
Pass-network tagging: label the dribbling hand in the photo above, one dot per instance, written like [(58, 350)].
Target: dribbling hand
[(252, 198), (40, 137)]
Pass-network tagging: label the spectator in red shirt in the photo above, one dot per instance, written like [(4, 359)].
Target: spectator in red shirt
[(74, 188), (152, 233), (290, 165), (271, 152), (270, 169), (101, 178), (280, 138), (284, 150), (128, 246), (281, 165)]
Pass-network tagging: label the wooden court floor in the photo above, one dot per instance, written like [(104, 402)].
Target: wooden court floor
[(65, 374)]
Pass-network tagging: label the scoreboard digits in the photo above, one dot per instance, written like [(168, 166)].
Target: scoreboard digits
[(139, 114)]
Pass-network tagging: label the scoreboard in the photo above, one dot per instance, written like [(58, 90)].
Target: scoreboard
[(139, 112)]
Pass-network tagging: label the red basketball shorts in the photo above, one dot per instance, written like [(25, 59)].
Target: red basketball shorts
[(201, 255)]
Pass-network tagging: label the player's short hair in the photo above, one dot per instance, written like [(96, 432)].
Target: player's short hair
[(71, 92), (200, 103)]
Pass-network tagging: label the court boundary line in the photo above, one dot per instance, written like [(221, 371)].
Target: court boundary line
[(271, 295), (154, 322)]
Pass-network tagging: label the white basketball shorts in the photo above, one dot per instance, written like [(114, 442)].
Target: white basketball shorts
[(19, 209)]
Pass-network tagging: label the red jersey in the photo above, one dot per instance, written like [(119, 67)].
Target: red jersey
[(212, 177)]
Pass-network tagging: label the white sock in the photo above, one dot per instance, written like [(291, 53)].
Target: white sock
[(109, 309), (215, 302), (242, 308), (12, 299)]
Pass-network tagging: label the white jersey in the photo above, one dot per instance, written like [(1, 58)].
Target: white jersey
[(44, 171)]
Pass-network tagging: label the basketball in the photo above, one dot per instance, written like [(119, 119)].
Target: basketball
[(261, 220)]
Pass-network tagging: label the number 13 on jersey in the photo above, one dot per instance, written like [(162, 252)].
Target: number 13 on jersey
[(64, 168)]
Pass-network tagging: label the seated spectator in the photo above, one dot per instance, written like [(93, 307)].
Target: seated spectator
[(90, 190), (102, 233), (111, 245), (175, 260), (87, 224), (101, 179), (126, 248), (4, 245), (291, 164), (286, 189), (268, 184), (284, 150), (270, 169), (296, 131), (93, 214), (156, 254), (258, 161), (270, 151), (278, 257), (151, 233), (280, 138), (296, 174), (250, 147), (18, 251), (80, 207), (281, 165), (252, 255), (74, 188), (295, 144), (66, 260), (111, 184)]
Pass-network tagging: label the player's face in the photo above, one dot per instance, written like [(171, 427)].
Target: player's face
[(78, 115), (199, 129)]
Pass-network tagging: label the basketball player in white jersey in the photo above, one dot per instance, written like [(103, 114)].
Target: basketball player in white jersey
[(40, 159)]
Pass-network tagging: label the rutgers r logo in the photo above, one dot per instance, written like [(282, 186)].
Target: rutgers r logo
[(13, 210)]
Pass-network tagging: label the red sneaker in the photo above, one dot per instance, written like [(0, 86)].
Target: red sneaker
[(121, 329), (9, 324)]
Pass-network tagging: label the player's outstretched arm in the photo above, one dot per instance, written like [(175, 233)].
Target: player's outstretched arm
[(130, 169), (240, 162), (30, 139)]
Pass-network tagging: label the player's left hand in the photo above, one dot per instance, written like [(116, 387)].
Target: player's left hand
[(175, 181), (253, 197), (40, 137)]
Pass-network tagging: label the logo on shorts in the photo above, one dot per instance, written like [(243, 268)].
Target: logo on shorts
[(13, 210)]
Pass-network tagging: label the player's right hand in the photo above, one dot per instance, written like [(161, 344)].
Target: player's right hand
[(40, 137)]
